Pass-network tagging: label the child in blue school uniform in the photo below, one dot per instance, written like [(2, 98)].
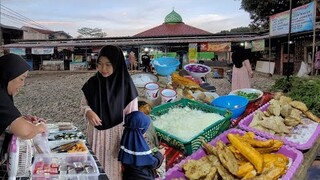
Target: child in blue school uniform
[(138, 161)]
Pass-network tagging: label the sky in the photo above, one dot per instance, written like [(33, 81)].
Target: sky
[(122, 17)]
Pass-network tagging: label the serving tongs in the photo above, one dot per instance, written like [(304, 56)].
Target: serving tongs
[(64, 147)]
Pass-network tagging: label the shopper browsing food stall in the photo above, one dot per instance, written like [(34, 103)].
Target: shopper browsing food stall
[(108, 96), (13, 72)]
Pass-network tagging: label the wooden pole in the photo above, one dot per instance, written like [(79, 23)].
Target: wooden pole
[(314, 36)]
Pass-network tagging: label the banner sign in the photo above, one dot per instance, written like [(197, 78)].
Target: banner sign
[(18, 51), (302, 20), (193, 52), (258, 45), (215, 47), (40, 51)]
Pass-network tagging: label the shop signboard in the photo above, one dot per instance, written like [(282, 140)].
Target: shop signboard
[(76, 66), (258, 45), (193, 52), (41, 51), (302, 19), (215, 47), (18, 51)]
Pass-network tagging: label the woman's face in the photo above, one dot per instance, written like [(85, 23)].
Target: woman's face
[(15, 84), (104, 66)]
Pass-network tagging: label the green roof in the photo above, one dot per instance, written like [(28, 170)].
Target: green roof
[(173, 17)]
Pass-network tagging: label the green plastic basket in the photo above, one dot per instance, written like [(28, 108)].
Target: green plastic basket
[(188, 147)]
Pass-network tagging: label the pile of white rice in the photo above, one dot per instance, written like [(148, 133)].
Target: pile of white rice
[(185, 123)]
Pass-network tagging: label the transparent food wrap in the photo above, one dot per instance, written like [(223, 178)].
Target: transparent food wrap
[(237, 154)]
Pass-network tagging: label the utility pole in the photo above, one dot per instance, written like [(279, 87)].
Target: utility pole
[(1, 35), (289, 70)]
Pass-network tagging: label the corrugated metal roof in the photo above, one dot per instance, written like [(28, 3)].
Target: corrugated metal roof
[(129, 41)]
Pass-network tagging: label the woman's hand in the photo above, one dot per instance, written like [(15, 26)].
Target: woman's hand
[(42, 128), (34, 119), (93, 118)]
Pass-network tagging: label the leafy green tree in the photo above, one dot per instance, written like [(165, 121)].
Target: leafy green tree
[(261, 10), (86, 32)]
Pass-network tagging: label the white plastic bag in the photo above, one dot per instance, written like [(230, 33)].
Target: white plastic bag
[(304, 70)]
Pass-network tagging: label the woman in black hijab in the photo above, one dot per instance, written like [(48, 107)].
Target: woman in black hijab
[(13, 72), (108, 96)]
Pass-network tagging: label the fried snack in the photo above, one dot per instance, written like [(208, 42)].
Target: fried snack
[(275, 147), (299, 105), (245, 169), (187, 93), (311, 116), (277, 95), (256, 143), (247, 151), (223, 172), (240, 158), (227, 158), (284, 100), (196, 169), (285, 110), (209, 149), (290, 121), (250, 175), (184, 82), (212, 174), (249, 135), (274, 107), (275, 166), (275, 123), (144, 107)]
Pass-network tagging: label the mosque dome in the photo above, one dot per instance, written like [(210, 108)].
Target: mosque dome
[(173, 17)]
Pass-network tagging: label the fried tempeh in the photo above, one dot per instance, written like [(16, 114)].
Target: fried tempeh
[(227, 158)]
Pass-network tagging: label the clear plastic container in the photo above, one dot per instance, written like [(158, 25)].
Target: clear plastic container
[(54, 144), (64, 166)]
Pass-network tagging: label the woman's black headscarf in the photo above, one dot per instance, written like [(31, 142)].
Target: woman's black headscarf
[(238, 56), (109, 96)]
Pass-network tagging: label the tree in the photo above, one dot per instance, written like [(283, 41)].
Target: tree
[(261, 10), (238, 30), (89, 32)]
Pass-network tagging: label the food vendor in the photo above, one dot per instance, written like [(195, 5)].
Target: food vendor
[(13, 72)]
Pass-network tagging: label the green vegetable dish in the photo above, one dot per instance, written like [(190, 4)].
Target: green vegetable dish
[(249, 96)]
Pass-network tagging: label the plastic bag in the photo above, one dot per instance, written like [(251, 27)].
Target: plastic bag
[(41, 143), (304, 70)]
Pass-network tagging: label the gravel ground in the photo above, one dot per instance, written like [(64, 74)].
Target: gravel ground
[(56, 95)]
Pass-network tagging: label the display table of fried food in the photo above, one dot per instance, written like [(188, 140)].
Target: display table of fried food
[(176, 156)]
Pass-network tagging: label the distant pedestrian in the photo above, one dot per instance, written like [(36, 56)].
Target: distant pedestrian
[(133, 61), (241, 71), (146, 62)]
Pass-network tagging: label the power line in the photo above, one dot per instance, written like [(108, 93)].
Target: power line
[(17, 16), (15, 19)]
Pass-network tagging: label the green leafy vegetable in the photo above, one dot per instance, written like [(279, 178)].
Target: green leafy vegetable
[(306, 90)]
